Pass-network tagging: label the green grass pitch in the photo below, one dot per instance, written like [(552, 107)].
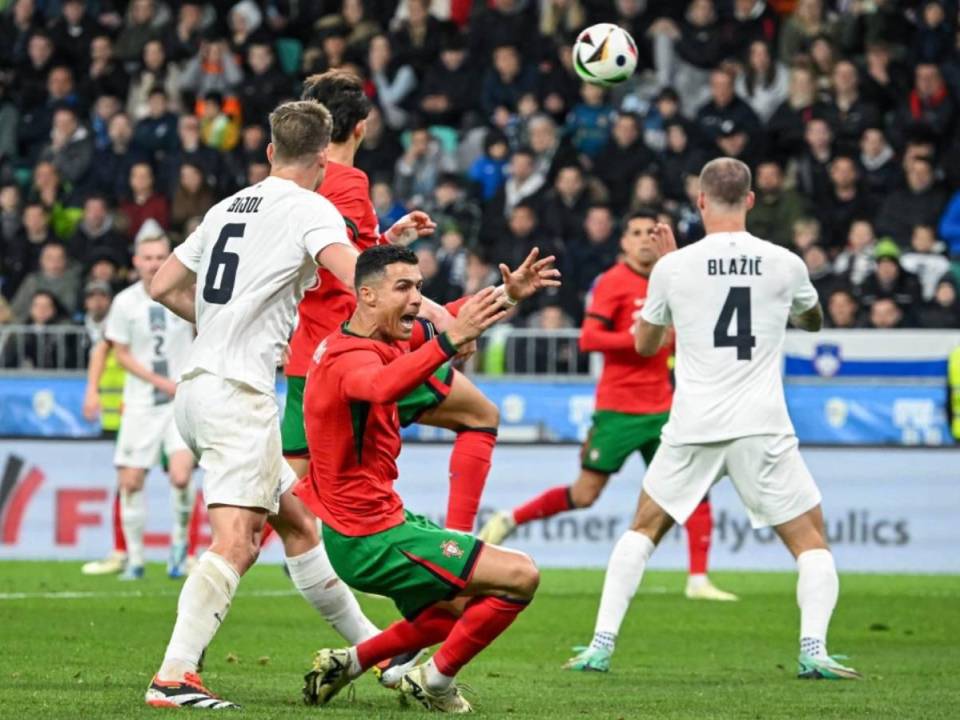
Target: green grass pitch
[(77, 647)]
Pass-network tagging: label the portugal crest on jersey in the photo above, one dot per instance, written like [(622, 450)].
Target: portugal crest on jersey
[(450, 548)]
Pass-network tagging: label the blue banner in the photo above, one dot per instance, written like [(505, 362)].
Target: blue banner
[(825, 413)]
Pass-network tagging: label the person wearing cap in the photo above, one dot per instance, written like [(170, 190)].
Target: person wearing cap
[(890, 280)]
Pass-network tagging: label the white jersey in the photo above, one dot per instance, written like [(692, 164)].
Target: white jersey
[(254, 257), (158, 339), (728, 297)]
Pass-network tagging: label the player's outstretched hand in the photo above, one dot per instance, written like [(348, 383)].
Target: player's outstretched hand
[(476, 315), (663, 239), (530, 277), (413, 225)]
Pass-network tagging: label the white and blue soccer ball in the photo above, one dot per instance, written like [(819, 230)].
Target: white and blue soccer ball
[(604, 54)]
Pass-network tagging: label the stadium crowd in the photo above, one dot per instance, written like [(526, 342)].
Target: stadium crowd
[(124, 119)]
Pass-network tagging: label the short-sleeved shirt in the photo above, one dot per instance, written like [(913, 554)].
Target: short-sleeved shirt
[(330, 303), (728, 297), (630, 383), (254, 256), (158, 339)]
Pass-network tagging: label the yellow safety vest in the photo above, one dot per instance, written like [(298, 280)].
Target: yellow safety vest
[(953, 382), (111, 393)]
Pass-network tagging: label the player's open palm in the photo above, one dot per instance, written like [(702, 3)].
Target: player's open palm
[(664, 239), (530, 277), (477, 314)]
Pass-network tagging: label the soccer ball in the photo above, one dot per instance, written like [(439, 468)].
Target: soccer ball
[(604, 54)]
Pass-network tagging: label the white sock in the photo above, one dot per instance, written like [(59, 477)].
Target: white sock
[(314, 577), (202, 607), (624, 571), (696, 581), (817, 590), (434, 679), (133, 516), (181, 503)]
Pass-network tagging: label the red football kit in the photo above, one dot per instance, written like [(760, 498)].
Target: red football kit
[(324, 307), (353, 428), (630, 383)]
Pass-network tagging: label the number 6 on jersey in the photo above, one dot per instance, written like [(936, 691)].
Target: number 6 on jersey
[(218, 285)]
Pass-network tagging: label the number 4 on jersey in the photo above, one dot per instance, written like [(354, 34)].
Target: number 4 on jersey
[(219, 293), (737, 303)]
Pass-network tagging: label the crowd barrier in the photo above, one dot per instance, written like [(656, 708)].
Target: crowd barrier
[(887, 510)]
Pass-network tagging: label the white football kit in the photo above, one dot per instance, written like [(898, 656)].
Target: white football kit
[(254, 257), (160, 341), (729, 297)]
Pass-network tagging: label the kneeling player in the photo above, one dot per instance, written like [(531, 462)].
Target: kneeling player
[(729, 416), (449, 586)]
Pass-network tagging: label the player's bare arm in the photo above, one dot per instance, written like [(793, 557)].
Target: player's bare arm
[(648, 338), (341, 260), (810, 320), (129, 363), (91, 395), (174, 287)]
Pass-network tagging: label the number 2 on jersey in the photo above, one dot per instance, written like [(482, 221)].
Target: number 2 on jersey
[(220, 294), (737, 303)]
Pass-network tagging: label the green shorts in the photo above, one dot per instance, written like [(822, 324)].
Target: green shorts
[(615, 436), (293, 435), (427, 396), (415, 564)]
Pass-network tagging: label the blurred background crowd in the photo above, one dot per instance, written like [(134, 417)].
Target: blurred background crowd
[(119, 119)]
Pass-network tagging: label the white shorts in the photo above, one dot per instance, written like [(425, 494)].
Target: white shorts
[(235, 432), (145, 432), (770, 476)]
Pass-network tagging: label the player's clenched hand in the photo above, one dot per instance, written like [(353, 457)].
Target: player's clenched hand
[(663, 239), (476, 315), (532, 276), (91, 405), (413, 225), (167, 385)]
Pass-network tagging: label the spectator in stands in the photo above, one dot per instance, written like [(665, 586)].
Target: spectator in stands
[(806, 232), (244, 19), (820, 269), (156, 133), (885, 314), (921, 202), (944, 310), (388, 209), (96, 234), (394, 81), (32, 70), (511, 22), (219, 127), (811, 167), (646, 193), (182, 38), (452, 259), (39, 347), (10, 222), (685, 53), (505, 82), (925, 259), (595, 251), (16, 26), (97, 296), (523, 233), (680, 158), (142, 23), (380, 150), (589, 122), (265, 85), (543, 355), (448, 93), (418, 38), (688, 219), (847, 111), (565, 204), (524, 182), (35, 124), (420, 167), (192, 198), (450, 208), (764, 83), (787, 126), (844, 203), (887, 81), (213, 69), (104, 109), (154, 73), (489, 171), (776, 208), (70, 148), (54, 276), (856, 261), (111, 167), (724, 108), (23, 253), (57, 198), (929, 106), (145, 202), (105, 75), (551, 150), (624, 157), (891, 281), (843, 310), (878, 165)]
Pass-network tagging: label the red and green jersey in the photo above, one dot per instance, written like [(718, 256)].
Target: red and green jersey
[(353, 428), (630, 383), (330, 303)]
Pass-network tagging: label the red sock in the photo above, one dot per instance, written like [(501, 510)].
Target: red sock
[(119, 541), (267, 532), (469, 467), (699, 529), (193, 529), (553, 501), (430, 627), (481, 623)]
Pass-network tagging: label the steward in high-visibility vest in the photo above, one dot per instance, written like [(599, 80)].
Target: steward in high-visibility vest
[(953, 390), (111, 393)]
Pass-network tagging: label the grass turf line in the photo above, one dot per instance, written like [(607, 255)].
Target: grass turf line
[(92, 656)]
